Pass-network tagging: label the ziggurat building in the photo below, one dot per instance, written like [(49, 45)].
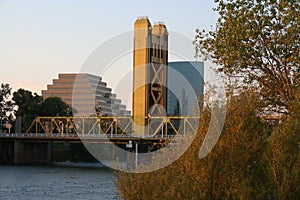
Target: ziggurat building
[(85, 93)]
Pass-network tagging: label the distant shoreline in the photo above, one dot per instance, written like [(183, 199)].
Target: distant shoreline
[(79, 164)]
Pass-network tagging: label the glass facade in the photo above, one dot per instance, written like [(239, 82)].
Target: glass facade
[(185, 82)]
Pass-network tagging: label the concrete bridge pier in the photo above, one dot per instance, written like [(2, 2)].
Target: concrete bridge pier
[(32, 152), (6, 152)]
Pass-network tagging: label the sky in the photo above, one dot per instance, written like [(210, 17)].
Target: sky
[(41, 38)]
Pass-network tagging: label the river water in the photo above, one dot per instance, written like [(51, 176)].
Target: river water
[(57, 182)]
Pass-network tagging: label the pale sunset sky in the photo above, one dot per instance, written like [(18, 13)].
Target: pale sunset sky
[(41, 38)]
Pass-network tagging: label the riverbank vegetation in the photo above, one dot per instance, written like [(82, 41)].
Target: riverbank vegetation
[(253, 159)]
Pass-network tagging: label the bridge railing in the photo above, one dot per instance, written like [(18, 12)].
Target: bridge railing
[(121, 125)]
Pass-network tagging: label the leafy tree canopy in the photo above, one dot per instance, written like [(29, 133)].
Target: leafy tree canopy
[(26, 101), (32, 105), (54, 106), (6, 105), (28, 106), (260, 41)]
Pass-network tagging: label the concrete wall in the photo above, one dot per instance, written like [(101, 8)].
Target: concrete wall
[(6, 152), (32, 152)]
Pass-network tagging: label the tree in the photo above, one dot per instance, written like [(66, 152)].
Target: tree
[(235, 169), (28, 106), (54, 106), (32, 105), (260, 41), (283, 155), (6, 105), (98, 110)]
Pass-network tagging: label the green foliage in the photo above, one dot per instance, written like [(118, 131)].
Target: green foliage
[(235, 169), (32, 105), (6, 105), (252, 160), (54, 106), (28, 106), (260, 41), (283, 155)]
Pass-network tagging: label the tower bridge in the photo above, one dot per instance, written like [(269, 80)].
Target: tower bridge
[(35, 145), (148, 125)]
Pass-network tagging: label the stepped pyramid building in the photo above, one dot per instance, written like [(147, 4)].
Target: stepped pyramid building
[(86, 93)]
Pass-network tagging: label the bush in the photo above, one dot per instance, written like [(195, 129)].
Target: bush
[(235, 169)]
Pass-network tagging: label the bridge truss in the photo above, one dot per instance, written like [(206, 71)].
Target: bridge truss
[(111, 125)]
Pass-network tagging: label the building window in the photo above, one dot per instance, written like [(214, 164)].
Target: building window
[(153, 49), (158, 49)]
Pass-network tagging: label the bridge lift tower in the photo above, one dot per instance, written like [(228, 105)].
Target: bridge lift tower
[(150, 59)]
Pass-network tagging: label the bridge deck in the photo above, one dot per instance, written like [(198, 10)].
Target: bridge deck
[(78, 138)]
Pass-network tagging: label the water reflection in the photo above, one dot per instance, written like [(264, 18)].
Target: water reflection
[(66, 181)]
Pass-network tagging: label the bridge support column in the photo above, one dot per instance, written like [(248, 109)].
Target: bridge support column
[(6, 152), (136, 155), (32, 152)]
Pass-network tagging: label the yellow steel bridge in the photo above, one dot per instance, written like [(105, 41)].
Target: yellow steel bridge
[(111, 125)]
